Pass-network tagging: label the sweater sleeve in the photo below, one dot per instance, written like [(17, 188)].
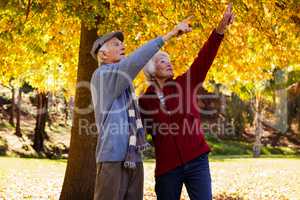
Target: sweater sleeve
[(198, 70)]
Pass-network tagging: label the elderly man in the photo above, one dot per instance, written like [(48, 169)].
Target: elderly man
[(169, 111), (121, 137)]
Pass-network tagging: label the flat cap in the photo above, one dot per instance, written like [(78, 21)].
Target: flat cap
[(104, 38)]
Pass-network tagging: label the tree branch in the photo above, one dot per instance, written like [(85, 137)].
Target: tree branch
[(28, 9)]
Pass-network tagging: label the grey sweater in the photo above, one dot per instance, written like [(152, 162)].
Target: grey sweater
[(108, 85)]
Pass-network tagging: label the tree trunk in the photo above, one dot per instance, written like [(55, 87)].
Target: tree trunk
[(258, 128), (41, 118), (298, 117), (12, 112), (81, 168), (66, 111), (18, 110), (281, 111)]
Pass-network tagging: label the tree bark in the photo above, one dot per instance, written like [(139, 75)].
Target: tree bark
[(18, 112), (258, 128), (66, 111), (12, 112), (41, 118), (281, 111), (298, 117), (81, 168)]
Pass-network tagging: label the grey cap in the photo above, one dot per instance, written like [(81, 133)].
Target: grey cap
[(104, 38)]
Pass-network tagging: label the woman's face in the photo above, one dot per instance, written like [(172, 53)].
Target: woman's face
[(163, 66)]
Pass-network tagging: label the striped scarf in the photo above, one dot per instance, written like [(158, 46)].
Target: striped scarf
[(137, 142)]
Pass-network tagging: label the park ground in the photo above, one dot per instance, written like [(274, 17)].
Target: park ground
[(27, 174), (263, 178)]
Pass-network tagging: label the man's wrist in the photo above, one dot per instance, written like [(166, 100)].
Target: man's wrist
[(168, 36)]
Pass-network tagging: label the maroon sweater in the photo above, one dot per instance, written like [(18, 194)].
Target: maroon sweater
[(175, 128)]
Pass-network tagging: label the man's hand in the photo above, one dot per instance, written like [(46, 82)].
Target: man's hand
[(181, 28), (227, 19)]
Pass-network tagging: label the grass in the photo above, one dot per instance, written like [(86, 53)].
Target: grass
[(237, 149), (27, 178), (221, 158), (232, 177), (5, 125), (231, 147)]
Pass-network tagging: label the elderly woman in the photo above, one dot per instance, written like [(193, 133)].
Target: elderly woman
[(171, 116)]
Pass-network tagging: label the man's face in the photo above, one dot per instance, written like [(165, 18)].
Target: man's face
[(163, 66), (113, 51)]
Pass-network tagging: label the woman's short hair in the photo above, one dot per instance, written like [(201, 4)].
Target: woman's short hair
[(149, 68)]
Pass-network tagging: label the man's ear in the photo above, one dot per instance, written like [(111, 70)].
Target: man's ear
[(101, 55)]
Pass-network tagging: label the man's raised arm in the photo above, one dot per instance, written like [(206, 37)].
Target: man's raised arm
[(122, 73)]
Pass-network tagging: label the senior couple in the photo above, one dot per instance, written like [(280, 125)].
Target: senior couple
[(164, 111)]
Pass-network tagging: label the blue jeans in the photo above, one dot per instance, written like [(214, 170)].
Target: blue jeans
[(195, 175)]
